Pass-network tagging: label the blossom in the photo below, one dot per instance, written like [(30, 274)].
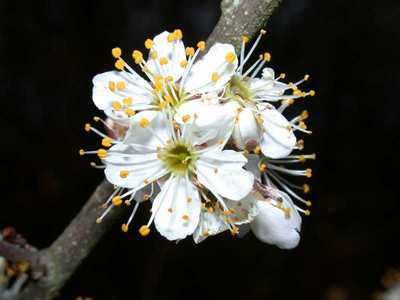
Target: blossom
[(259, 122), (191, 172), (172, 76)]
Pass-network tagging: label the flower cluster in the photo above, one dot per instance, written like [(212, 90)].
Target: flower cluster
[(204, 140)]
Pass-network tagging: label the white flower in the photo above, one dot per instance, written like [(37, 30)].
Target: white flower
[(258, 122), (172, 75), (192, 170)]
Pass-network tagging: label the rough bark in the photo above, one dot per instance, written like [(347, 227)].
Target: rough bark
[(53, 266)]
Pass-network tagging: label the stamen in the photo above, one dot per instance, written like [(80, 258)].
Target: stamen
[(148, 44), (116, 52), (125, 227), (201, 45)]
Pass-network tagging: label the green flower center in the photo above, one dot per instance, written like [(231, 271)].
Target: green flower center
[(171, 96), (178, 157), (239, 90)]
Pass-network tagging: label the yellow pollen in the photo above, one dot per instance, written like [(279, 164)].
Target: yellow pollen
[(230, 57), (267, 56), (201, 45), (309, 203), (148, 43), (168, 98), (245, 39), (123, 173), (81, 152), (221, 141), (178, 34), (306, 77), (304, 115), (124, 227), (127, 101), (170, 37), (311, 93), (117, 201), (189, 51), (87, 127), (116, 52), (300, 144), (282, 75), (170, 210), (153, 54), (302, 158), (263, 31), (214, 76), (183, 63), (287, 212), (102, 153), (307, 212), (121, 85), (158, 86), (163, 61), (259, 119), (263, 167), (106, 142), (302, 125), (234, 230), (306, 188), (288, 101), (185, 118), (297, 92), (308, 173), (189, 199), (210, 210), (111, 86), (169, 78), (144, 123), (257, 150), (129, 112), (119, 64), (185, 217), (206, 233), (96, 119), (144, 230), (98, 220), (116, 105), (137, 56)]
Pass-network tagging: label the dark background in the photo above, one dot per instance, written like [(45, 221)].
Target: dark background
[(50, 50)]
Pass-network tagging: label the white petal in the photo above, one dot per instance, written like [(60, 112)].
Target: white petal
[(278, 139), (244, 210), (272, 226), (209, 224), (268, 74), (174, 52), (136, 88), (252, 165), (222, 173), (147, 139), (246, 129), (177, 208), (199, 79)]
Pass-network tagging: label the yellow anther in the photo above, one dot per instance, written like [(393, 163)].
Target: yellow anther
[(308, 173), (124, 227), (148, 43), (121, 85), (189, 199), (201, 45), (302, 158), (263, 167), (106, 142), (137, 56), (123, 173), (307, 212), (116, 52), (163, 61), (230, 57), (153, 54), (263, 31), (306, 77), (206, 233), (98, 220), (297, 92), (300, 144), (129, 112), (158, 78), (189, 51), (127, 101), (210, 210), (117, 201), (162, 104), (259, 119), (96, 119), (282, 75), (144, 123), (178, 34), (287, 212), (158, 86), (81, 152), (306, 188), (311, 93), (127, 203), (288, 101), (171, 37), (221, 141), (302, 125), (170, 210), (185, 118), (267, 56), (169, 78), (87, 127), (234, 230), (309, 203), (245, 39), (214, 76), (116, 105), (144, 230), (257, 150), (168, 98), (304, 115), (102, 153), (183, 63), (185, 217), (111, 86), (119, 64)]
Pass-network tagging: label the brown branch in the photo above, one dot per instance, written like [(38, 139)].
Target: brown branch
[(60, 260)]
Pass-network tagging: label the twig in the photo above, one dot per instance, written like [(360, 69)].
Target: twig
[(60, 260)]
